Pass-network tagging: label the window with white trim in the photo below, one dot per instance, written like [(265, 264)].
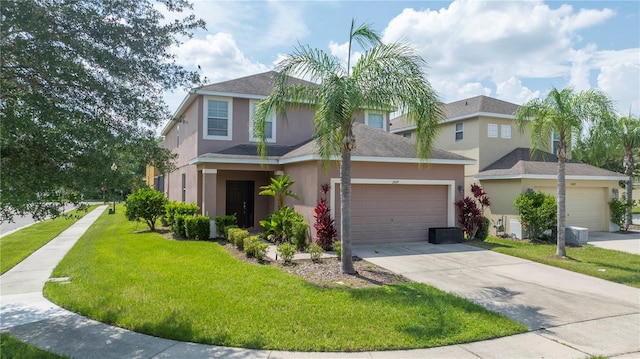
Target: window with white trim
[(505, 131), (375, 120), (459, 131), (270, 124), (218, 116), (407, 135), (555, 142), (492, 130)]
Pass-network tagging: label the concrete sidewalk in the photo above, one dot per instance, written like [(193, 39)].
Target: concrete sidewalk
[(26, 314)]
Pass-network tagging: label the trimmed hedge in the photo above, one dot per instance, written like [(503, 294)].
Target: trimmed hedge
[(175, 208), (225, 222), (237, 236), (197, 227)]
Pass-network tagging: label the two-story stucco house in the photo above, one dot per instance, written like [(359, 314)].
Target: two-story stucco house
[(395, 196), (483, 128)]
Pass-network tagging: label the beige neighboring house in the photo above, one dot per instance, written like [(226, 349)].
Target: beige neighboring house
[(395, 196), (483, 128)]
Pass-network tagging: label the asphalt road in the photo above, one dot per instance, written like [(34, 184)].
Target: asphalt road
[(20, 222)]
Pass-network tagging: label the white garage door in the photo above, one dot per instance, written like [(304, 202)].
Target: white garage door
[(586, 207), (395, 213)]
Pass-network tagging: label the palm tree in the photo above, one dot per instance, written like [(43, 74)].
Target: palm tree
[(386, 77), (562, 113), (620, 137), (279, 188)]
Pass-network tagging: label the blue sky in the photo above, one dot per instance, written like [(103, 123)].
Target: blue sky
[(511, 50)]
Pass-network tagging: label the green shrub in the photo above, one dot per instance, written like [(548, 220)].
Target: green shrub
[(197, 227), (260, 250), (300, 235), (315, 251), (178, 226), (175, 208), (146, 204), (337, 246), (286, 251), (538, 214), (237, 237), (278, 227), (254, 247), (483, 232), (618, 208), (224, 222), (226, 232)]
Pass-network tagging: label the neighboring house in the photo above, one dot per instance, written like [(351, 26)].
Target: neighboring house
[(483, 128), (395, 196)]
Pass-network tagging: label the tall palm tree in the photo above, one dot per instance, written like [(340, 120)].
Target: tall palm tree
[(620, 137), (563, 113), (386, 77)]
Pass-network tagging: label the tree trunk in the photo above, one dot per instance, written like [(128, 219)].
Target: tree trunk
[(561, 251), (629, 166), (345, 212)]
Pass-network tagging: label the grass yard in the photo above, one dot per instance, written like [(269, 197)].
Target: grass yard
[(11, 348), (198, 292), (603, 263), (19, 245)]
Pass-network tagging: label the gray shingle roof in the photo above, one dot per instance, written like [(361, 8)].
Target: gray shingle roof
[(371, 142), (252, 149), (465, 107), (520, 162), (479, 104), (258, 84)]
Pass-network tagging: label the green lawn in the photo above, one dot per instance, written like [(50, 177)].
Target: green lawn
[(19, 245), (11, 348), (607, 264), (198, 292)]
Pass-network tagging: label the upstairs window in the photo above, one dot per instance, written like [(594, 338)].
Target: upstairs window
[(270, 124), (217, 118), (492, 130), (555, 142), (505, 131), (459, 131), (375, 120)]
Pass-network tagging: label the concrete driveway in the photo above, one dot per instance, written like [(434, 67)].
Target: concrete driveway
[(625, 242), (583, 312)]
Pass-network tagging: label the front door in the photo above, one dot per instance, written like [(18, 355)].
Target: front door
[(240, 202)]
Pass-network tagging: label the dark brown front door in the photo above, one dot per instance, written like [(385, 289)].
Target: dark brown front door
[(240, 202)]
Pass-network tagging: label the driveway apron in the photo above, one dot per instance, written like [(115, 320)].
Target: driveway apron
[(582, 311)]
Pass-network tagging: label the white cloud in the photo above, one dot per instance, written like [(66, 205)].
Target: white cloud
[(581, 61), (218, 56), (512, 90), (286, 24), (476, 45), (621, 81)]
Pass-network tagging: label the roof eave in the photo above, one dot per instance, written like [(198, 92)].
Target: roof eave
[(554, 177)]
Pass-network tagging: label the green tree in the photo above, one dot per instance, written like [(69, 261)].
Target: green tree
[(279, 188), (610, 140), (386, 77), (146, 204), (82, 85), (563, 113), (538, 213)]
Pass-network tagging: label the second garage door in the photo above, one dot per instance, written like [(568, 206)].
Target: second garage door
[(395, 213), (585, 207)]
